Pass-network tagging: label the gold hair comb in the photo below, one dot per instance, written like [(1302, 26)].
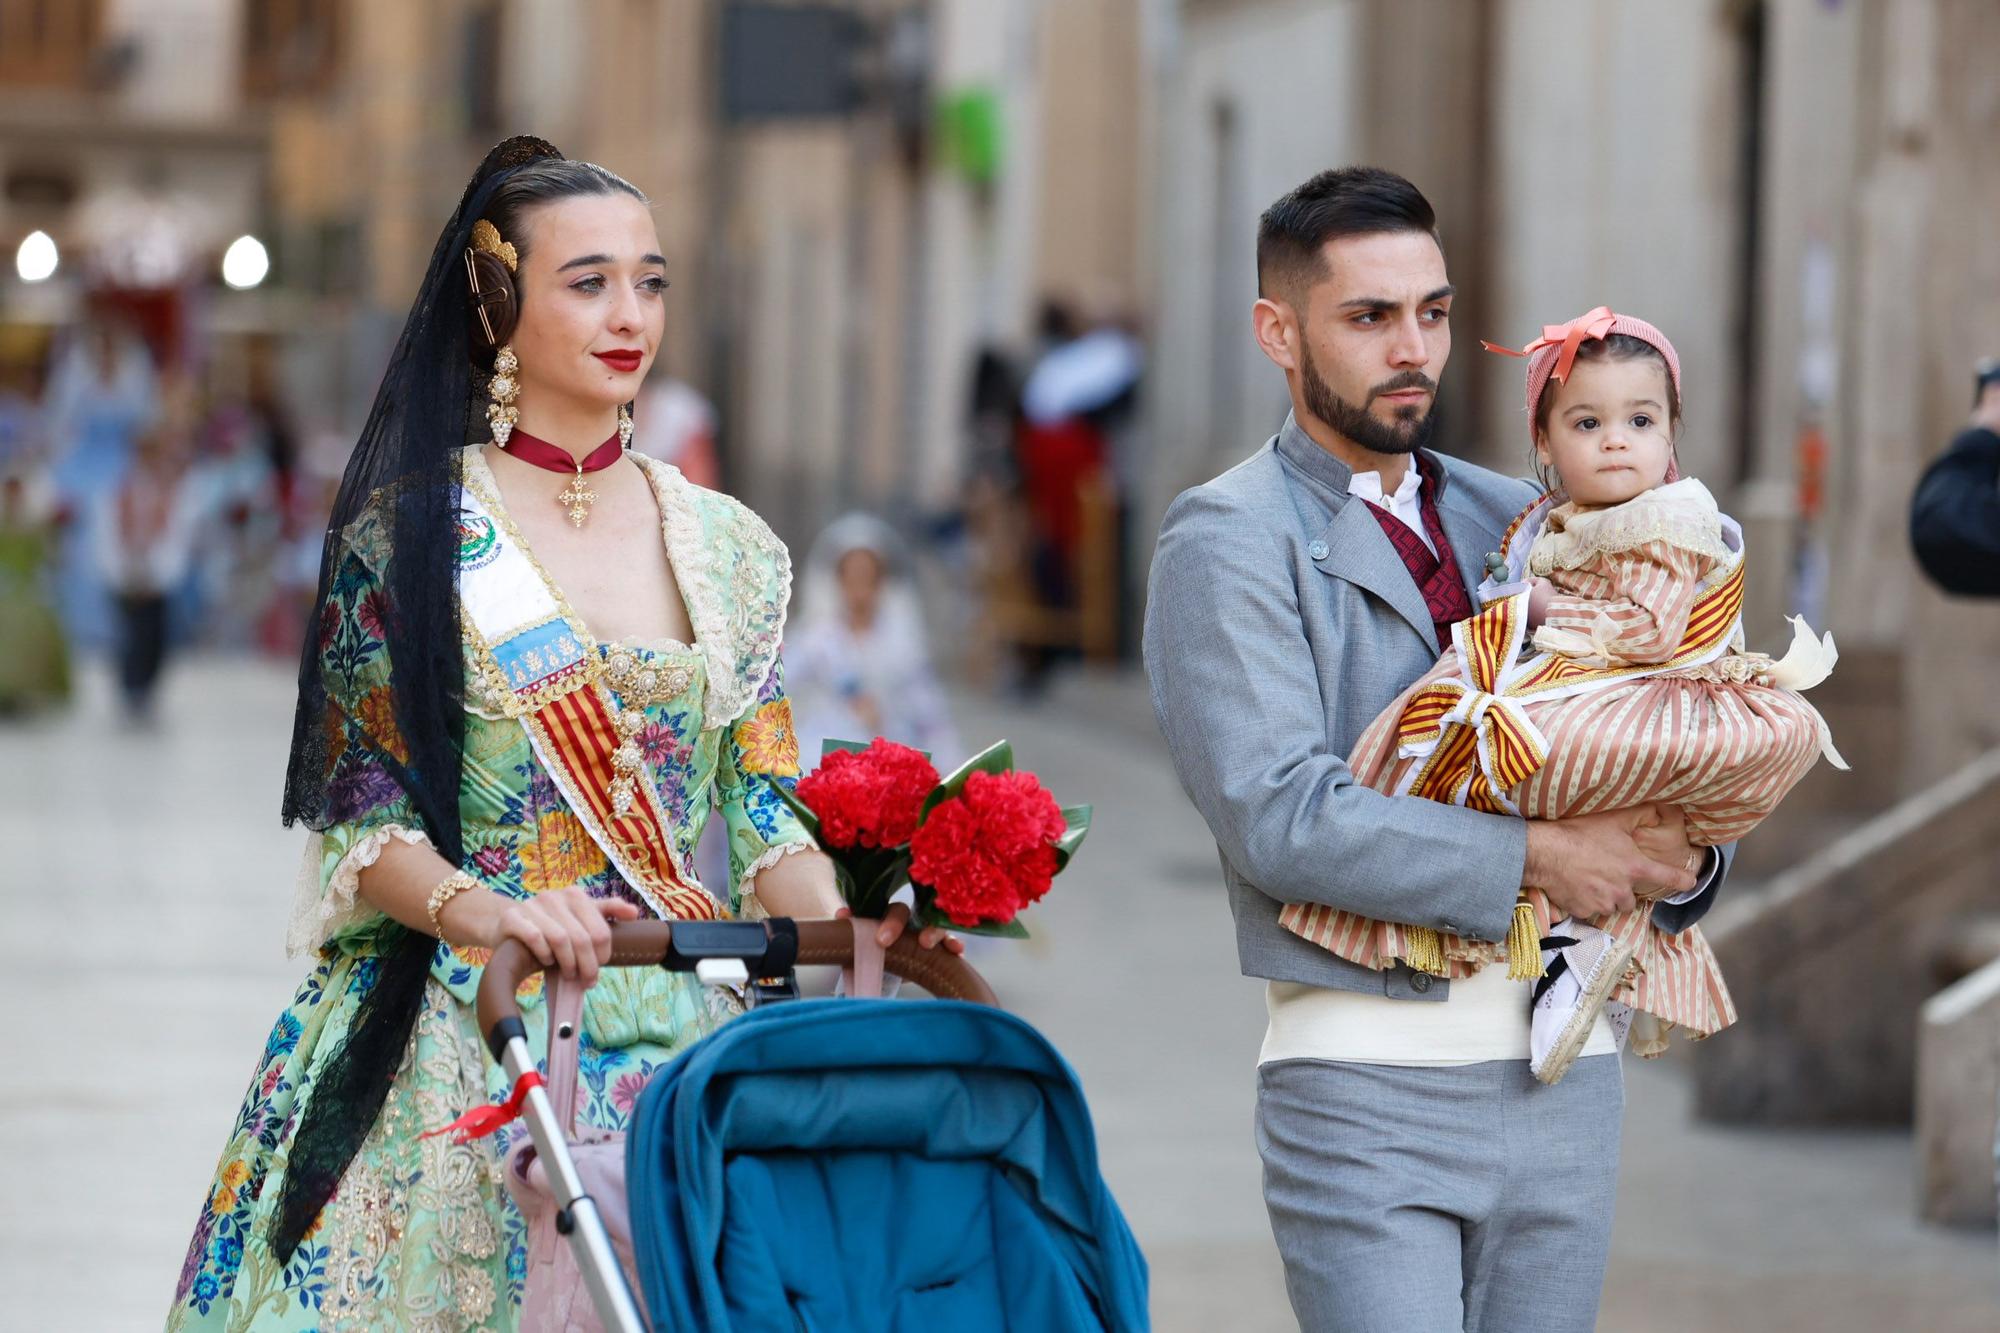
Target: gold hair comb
[(486, 239)]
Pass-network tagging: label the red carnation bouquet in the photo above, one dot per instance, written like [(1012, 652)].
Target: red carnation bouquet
[(976, 847)]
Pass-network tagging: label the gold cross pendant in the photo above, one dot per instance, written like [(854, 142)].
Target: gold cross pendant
[(577, 495)]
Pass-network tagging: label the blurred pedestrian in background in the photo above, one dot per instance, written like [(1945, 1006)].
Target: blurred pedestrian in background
[(34, 666), (1955, 515), (1079, 389), (101, 397), (244, 458), (856, 653), (147, 528)]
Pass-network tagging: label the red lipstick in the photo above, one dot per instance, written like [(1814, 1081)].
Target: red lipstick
[(625, 360)]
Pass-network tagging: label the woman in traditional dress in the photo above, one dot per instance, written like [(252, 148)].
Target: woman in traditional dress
[(538, 664)]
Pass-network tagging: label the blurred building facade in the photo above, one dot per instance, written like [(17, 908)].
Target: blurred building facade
[(852, 196), (1801, 192), (856, 198)]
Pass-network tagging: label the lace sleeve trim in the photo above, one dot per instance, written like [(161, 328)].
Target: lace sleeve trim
[(318, 913), (752, 909)]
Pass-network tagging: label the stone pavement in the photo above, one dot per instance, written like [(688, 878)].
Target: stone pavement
[(148, 884)]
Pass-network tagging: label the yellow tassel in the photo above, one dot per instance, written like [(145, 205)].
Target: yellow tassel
[(1524, 946), (1423, 950)]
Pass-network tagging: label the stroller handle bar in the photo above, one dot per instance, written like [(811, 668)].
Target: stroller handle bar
[(766, 948)]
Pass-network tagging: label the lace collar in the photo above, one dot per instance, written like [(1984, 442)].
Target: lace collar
[(1681, 513)]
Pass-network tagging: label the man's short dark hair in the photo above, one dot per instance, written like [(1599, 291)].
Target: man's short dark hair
[(1346, 201)]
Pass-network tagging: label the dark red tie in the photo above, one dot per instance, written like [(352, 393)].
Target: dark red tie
[(1436, 575)]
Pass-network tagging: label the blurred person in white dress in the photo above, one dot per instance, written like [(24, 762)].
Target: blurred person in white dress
[(856, 657)]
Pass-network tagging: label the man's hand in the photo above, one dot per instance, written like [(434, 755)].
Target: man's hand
[(1662, 836), (1594, 865)]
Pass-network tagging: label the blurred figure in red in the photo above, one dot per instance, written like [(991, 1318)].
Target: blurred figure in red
[(1081, 386)]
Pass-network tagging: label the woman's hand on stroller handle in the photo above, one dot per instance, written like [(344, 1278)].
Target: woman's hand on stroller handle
[(561, 928), (651, 943), (897, 920)]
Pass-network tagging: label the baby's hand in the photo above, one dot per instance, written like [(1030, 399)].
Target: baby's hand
[(1540, 593)]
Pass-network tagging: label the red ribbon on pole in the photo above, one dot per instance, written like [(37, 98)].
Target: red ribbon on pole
[(483, 1120)]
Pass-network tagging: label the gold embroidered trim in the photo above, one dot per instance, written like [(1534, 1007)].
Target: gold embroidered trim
[(380, 1271)]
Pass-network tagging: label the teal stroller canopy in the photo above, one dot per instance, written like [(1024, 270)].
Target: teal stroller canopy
[(876, 1165)]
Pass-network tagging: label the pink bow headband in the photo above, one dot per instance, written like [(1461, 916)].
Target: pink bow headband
[(1551, 356)]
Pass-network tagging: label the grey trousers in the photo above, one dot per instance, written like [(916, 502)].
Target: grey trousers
[(1469, 1197)]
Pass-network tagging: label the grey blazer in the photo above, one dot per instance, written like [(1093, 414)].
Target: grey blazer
[(1280, 620)]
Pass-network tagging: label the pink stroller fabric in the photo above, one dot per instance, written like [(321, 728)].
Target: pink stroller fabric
[(554, 1297)]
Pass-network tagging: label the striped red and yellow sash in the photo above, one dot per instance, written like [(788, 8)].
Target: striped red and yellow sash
[(580, 735), (1476, 742)]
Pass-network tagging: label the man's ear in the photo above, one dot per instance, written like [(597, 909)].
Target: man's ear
[(1277, 328)]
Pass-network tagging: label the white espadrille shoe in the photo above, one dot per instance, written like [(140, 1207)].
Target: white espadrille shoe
[(1581, 964)]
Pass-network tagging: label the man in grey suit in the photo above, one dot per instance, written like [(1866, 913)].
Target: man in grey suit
[(1416, 1175)]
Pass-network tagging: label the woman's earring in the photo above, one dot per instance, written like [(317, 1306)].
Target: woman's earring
[(625, 427), (504, 388)]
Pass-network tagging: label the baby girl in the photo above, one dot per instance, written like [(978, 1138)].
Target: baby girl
[(1606, 671)]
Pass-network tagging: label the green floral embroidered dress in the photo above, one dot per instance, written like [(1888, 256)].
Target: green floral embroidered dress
[(420, 1234)]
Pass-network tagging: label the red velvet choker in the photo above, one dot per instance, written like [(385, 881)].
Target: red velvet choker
[(576, 497)]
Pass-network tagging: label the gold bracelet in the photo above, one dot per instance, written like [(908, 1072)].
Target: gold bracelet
[(1695, 857), (448, 888)]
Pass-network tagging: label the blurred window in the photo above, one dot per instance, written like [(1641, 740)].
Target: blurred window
[(483, 69), (290, 47), (48, 42)]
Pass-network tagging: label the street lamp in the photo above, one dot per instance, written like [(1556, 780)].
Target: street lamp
[(245, 263), (36, 259)]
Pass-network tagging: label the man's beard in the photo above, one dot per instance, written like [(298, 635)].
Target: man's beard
[(1411, 431)]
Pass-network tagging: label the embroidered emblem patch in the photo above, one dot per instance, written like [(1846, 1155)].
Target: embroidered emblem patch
[(478, 542)]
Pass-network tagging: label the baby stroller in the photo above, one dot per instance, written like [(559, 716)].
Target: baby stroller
[(817, 1164)]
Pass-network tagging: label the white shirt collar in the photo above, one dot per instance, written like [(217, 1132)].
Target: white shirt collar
[(1368, 486)]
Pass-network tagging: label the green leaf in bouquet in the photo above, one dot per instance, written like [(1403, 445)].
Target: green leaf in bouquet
[(1001, 930), (996, 758), (927, 915), (1076, 826)]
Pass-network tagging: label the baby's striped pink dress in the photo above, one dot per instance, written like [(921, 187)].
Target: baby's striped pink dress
[(1634, 690)]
